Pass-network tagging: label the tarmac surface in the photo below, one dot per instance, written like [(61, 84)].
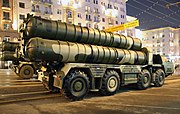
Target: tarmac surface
[(19, 96)]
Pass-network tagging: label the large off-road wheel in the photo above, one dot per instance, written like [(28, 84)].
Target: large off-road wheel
[(76, 86), (144, 80), (26, 71), (110, 83), (159, 78)]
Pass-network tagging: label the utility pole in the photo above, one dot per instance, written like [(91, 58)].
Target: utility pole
[(172, 4)]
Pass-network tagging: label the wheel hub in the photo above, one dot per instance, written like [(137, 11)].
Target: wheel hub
[(145, 79), (112, 83), (78, 86), (26, 72), (160, 78)]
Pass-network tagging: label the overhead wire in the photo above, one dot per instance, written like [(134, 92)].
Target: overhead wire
[(152, 14), (164, 6), (167, 2), (162, 17), (146, 9), (155, 10)]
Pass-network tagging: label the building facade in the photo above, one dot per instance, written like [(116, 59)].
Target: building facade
[(164, 41), (99, 14), (6, 21)]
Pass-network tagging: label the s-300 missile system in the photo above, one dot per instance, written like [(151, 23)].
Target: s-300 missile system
[(11, 51), (78, 59)]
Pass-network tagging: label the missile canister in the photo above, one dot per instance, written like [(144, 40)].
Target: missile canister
[(39, 49), (8, 56), (56, 30), (9, 46)]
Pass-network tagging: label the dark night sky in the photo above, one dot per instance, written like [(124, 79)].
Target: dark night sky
[(154, 13)]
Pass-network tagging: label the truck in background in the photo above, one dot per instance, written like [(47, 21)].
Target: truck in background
[(11, 51)]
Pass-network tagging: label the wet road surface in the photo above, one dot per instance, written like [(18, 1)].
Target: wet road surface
[(29, 97)]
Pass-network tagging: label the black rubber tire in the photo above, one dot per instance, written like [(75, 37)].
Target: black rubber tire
[(144, 80), (111, 78), (76, 86), (26, 72), (159, 78)]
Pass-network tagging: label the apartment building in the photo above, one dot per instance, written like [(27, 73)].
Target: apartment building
[(99, 14), (164, 41), (6, 20)]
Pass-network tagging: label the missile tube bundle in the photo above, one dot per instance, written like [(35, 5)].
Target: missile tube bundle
[(48, 40), (8, 56), (9, 51), (56, 30), (39, 49), (9, 46)]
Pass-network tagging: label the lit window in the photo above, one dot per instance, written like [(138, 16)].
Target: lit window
[(6, 38), (171, 34), (87, 8), (69, 14), (6, 26)]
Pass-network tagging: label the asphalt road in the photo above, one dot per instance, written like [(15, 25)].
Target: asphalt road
[(29, 97)]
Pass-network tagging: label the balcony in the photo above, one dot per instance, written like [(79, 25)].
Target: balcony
[(6, 7), (88, 11), (36, 11), (48, 2), (36, 1), (110, 23), (48, 12), (6, 18), (97, 20), (97, 12), (88, 19), (69, 17)]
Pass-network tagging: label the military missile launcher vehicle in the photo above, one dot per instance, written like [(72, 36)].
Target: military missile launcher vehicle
[(11, 52), (79, 59)]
